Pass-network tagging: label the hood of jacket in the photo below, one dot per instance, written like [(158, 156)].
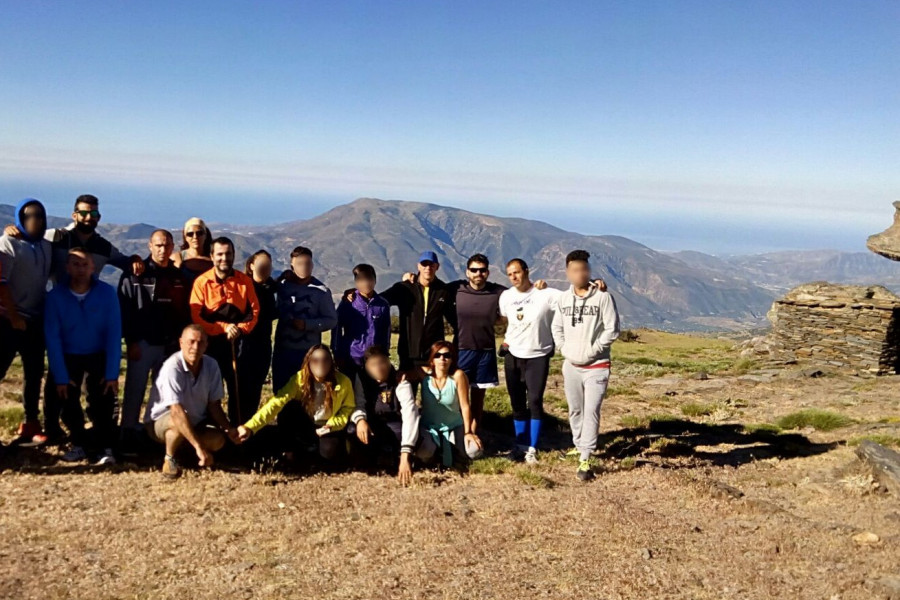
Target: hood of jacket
[(20, 223)]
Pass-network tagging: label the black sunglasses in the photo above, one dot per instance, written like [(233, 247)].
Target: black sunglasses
[(191, 234), (444, 355), (88, 213), (481, 270)]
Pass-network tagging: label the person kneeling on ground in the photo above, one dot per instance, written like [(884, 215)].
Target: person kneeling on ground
[(319, 418), (386, 419), (186, 403), (446, 413)]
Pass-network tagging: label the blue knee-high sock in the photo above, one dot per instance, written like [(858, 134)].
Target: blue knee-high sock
[(535, 432), (521, 432)]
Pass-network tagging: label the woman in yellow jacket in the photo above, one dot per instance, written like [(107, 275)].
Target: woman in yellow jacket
[(324, 403)]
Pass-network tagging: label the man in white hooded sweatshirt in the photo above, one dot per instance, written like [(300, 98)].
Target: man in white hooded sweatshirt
[(585, 324)]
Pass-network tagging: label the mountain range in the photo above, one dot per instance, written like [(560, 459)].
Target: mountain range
[(679, 291)]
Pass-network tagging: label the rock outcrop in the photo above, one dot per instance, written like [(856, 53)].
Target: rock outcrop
[(837, 327), (887, 243)]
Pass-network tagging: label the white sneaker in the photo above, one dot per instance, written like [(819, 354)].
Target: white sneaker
[(75, 454), (107, 459), (531, 456)]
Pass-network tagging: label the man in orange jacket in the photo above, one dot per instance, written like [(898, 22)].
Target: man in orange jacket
[(224, 304)]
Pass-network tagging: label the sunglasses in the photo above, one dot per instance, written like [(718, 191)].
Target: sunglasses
[(88, 213), (481, 270), (427, 264), (190, 234), (443, 355)]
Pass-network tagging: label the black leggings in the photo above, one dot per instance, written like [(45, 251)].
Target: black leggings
[(297, 432), (526, 379)]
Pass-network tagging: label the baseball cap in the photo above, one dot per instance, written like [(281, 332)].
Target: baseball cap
[(428, 256)]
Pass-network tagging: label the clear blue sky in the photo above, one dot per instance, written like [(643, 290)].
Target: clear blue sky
[(719, 126)]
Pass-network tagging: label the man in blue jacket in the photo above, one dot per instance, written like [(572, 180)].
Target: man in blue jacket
[(24, 270), (83, 328)]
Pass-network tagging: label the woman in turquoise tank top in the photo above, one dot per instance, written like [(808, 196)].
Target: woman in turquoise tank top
[(446, 413)]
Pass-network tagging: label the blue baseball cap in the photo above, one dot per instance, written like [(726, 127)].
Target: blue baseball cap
[(428, 256)]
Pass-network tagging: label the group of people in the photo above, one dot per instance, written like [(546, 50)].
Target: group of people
[(199, 331)]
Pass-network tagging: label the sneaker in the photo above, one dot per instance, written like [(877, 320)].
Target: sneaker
[(531, 457), (75, 454), (584, 472), (170, 468), (107, 458), (30, 432)]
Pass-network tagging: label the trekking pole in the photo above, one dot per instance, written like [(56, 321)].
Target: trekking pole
[(237, 395)]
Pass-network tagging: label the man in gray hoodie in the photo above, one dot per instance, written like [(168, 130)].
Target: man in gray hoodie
[(585, 324), (24, 269)]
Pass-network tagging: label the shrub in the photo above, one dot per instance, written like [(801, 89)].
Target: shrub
[(821, 420)]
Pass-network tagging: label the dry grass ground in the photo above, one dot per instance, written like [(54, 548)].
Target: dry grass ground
[(702, 495)]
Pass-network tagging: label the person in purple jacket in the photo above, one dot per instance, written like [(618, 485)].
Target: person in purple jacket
[(83, 330), (362, 322)]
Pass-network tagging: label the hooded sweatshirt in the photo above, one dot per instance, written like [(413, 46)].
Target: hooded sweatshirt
[(92, 325), (25, 265), (584, 327)]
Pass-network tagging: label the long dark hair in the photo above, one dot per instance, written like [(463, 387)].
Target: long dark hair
[(308, 380)]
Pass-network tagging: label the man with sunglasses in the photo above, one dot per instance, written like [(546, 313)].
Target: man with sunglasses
[(82, 233), (476, 302), (24, 269)]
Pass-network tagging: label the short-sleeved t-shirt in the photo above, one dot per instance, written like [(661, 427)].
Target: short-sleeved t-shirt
[(177, 385), (529, 316)]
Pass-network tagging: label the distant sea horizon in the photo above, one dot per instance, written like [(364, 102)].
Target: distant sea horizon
[(169, 206)]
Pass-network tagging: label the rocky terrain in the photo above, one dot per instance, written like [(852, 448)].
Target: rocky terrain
[(720, 479)]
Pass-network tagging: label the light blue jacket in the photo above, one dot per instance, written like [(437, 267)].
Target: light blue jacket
[(89, 326)]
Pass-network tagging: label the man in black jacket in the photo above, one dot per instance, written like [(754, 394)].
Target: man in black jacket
[(154, 312)]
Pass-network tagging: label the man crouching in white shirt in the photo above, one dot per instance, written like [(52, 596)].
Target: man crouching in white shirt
[(186, 403)]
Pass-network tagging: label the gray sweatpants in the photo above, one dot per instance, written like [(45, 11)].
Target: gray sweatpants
[(137, 374), (585, 389)]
